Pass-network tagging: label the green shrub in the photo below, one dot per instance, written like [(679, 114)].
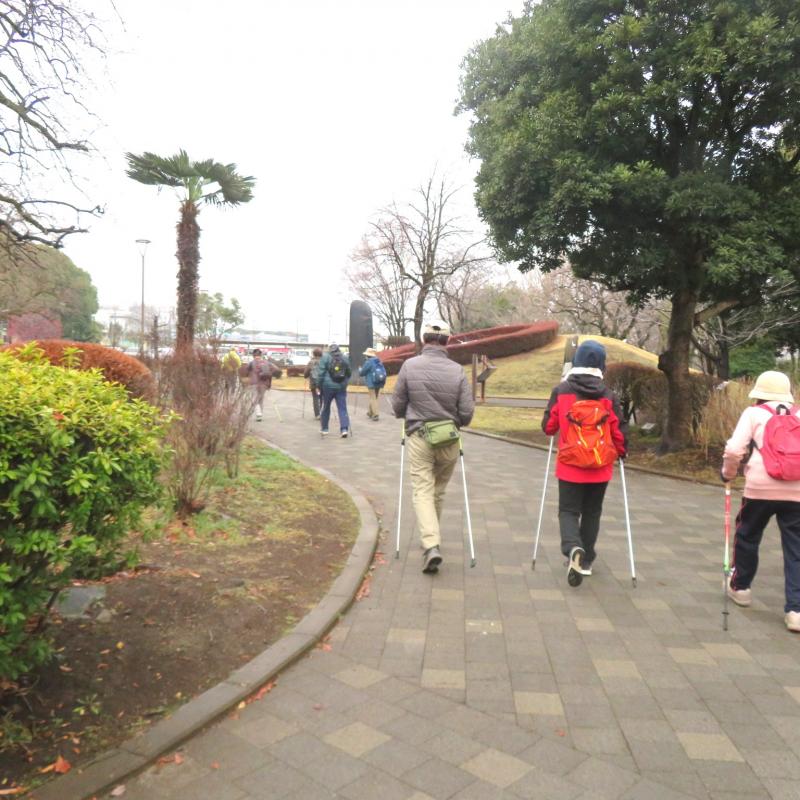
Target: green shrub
[(78, 462)]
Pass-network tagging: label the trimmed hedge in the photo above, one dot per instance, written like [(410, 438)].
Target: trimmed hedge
[(78, 462), (644, 389), (498, 342), (116, 367)]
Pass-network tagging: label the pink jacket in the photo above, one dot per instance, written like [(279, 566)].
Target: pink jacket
[(757, 483)]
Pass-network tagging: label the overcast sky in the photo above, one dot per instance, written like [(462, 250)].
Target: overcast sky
[(336, 108)]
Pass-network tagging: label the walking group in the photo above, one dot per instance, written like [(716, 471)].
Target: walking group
[(328, 376), (584, 417)]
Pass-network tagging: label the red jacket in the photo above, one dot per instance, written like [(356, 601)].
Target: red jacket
[(583, 386)]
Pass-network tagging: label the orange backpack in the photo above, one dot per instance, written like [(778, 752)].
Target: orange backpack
[(587, 442)]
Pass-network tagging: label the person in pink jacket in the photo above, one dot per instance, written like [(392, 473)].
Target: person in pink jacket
[(764, 497)]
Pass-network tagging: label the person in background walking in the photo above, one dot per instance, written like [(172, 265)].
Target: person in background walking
[(432, 392), (374, 373), (311, 374), (592, 434), (231, 364), (765, 495), (333, 376), (259, 373)]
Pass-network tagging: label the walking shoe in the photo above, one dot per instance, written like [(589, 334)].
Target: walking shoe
[(586, 569), (375, 418), (345, 433), (792, 620), (575, 568), (258, 418), (324, 433), (742, 597), (431, 560)]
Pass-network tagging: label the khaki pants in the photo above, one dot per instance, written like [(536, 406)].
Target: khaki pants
[(374, 406), (430, 470)]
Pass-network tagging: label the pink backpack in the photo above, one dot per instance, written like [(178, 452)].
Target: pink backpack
[(780, 449)]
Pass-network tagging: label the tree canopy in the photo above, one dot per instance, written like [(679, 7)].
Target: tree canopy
[(652, 144)]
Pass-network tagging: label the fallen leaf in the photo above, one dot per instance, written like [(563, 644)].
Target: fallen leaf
[(241, 705), (265, 689), (215, 765), (325, 647), (62, 766), (120, 645), (9, 792), (118, 791), (105, 652), (194, 574), (65, 668), (178, 758), (318, 706)]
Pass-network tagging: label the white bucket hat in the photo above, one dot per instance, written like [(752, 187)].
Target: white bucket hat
[(772, 385)]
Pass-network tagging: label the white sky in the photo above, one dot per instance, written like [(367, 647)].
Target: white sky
[(336, 107)]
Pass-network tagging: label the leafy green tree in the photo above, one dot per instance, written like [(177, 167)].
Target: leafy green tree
[(215, 319), (751, 359), (201, 182), (653, 144), (35, 278)]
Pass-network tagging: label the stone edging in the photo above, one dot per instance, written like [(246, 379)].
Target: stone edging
[(134, 755), (628, 467)]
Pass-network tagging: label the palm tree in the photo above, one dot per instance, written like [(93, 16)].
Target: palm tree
[(203, 182)]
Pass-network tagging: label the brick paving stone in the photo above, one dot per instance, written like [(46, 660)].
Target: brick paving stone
[(425, 675)]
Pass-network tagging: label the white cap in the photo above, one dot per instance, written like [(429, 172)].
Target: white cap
[(437, 326)]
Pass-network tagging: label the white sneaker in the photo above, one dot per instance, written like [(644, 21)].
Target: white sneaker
[(575, 566), (345, 433), (792, 620), (742, 597)]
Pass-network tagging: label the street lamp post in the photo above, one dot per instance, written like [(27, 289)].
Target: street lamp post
[(142, 249)]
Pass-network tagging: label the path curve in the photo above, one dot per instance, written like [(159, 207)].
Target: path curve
[(500, 682)]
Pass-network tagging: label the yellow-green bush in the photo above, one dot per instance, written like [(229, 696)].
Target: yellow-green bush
[(78, 462)]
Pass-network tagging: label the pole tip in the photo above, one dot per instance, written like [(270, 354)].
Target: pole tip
[(397, 554), (533, 565), (633, 581), (472, 563)]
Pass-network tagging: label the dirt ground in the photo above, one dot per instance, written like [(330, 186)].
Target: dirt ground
[(206, 597)]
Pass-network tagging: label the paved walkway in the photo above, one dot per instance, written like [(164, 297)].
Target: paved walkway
[(500, 682)]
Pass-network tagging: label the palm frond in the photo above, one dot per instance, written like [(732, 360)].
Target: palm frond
[(179, 171)]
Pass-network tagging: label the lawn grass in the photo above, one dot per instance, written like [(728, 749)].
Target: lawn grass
[(531, 374)]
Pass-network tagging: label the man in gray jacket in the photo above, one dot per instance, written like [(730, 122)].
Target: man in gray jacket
[(431, 388)]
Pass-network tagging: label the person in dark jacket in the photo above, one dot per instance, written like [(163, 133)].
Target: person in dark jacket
[(311, 374), (374, 375), (259, 373), (431, 388), (581, 488), (333, 375)]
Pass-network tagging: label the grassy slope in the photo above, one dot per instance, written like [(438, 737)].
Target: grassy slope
[(529, 374)]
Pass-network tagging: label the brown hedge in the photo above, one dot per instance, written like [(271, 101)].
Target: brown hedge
[(644, 389), (115, 366), (498, 342)]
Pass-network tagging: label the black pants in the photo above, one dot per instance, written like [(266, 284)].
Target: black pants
[(579, 508), (316, 398), (750, 523)]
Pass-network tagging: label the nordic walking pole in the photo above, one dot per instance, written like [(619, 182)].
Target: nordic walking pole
[(400, 492), (275, 406), (541, 506), (304, 401), (466, 502), (627, 521), (726, 567)]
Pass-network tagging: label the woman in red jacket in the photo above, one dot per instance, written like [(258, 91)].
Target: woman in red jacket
[(588, 419)]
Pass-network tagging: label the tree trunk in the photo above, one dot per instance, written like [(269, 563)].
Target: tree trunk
[(188, 261), (419, 308), (674, 363)]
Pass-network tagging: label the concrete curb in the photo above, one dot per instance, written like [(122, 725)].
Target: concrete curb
[(134, 755), (628, 467)]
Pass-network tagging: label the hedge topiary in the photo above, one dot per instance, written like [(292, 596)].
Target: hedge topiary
[(115, 366), (78, 462), (505, 340)]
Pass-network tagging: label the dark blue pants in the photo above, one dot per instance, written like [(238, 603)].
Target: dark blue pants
[(579, 508), (328, 396), (750, 523)]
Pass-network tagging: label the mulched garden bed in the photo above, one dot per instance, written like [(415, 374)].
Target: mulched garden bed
[(208, 596)]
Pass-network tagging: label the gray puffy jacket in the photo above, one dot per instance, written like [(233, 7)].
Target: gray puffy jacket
[(431, 387)]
